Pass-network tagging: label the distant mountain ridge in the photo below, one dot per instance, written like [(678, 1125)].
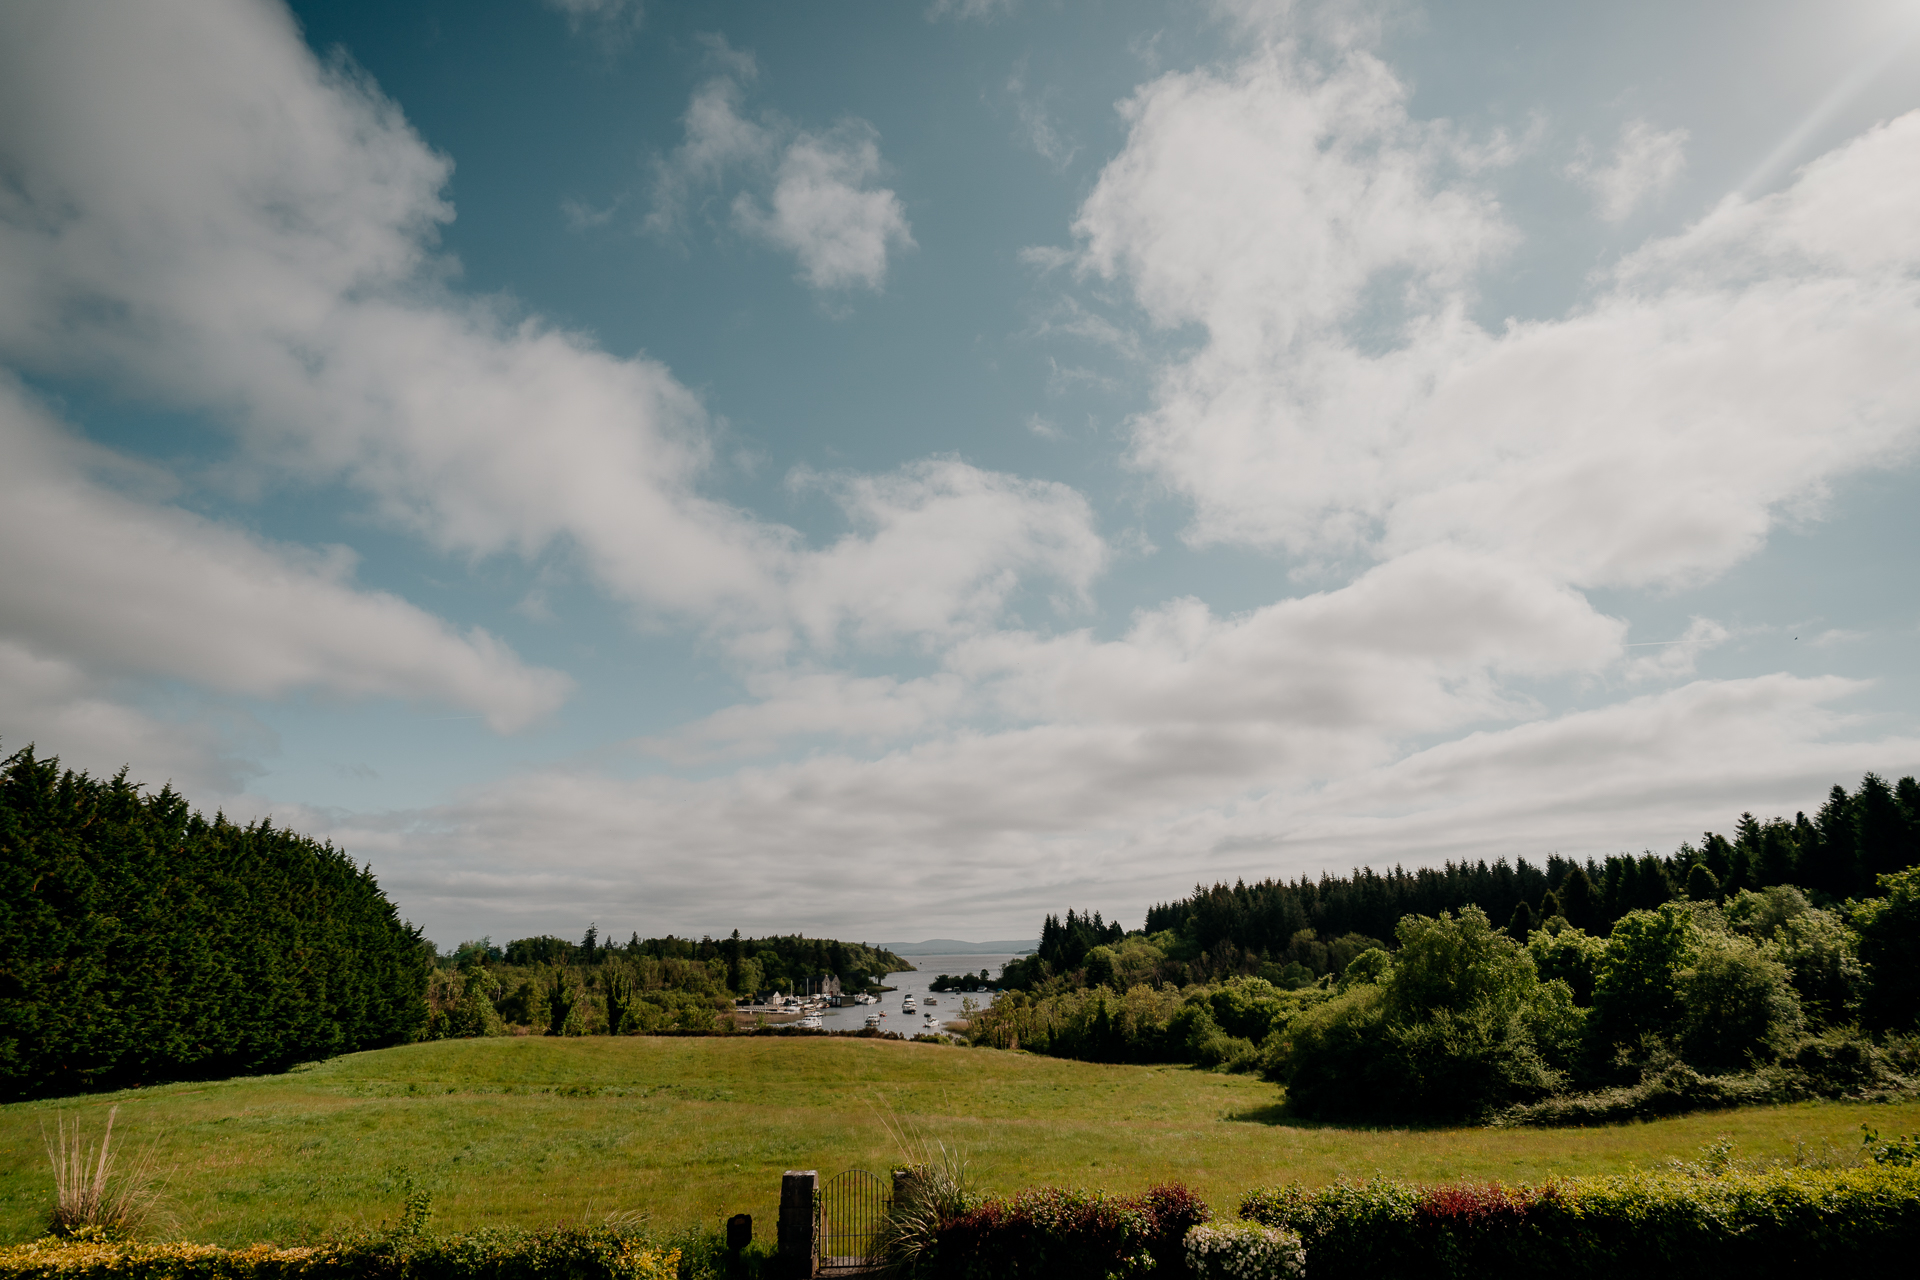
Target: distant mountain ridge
[(955, 947)]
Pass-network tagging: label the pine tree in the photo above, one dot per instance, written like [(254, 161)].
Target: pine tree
[(1521, 925), (1580, 903)]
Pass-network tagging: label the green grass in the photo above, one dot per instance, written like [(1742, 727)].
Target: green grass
[(533, 1130)]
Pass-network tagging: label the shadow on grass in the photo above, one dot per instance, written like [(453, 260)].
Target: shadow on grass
[(1282, 1114)]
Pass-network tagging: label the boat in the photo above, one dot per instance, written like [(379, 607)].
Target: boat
[(811, 1021), (873, 1019), (930, 1002), (907, 1005)]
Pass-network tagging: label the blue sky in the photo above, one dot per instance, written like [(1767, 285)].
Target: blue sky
[(782, 466)]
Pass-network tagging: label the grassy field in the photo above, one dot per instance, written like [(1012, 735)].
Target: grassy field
[(531, 1131)]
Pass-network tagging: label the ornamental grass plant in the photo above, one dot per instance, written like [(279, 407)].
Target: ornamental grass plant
[(93, 1192)]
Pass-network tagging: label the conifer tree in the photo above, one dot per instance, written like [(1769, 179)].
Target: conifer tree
[(1701, 884)]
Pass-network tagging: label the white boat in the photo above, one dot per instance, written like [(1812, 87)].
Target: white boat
[(907, 1005), (811, 1021), (930, 1002), (873, 1020)]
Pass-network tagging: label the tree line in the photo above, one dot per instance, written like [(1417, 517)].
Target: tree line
[(1266, 927), (552, 986), (143, 941), (1617, 988)]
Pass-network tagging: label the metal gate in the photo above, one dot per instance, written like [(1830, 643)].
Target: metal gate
[(853, 1208)]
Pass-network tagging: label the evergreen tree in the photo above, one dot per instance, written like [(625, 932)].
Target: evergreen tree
[(1701, 884), (141, 941), (1550, 907), (1521, 924), (1580, 903)]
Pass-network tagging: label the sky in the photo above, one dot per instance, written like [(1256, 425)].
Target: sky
[(785, 466)]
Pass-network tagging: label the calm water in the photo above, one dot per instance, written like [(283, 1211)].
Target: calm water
[(926, 969)]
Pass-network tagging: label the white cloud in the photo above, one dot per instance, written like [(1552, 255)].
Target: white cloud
[(825, 212), (612, 20), (811, 194), (970, 10), (104, 583), (1644, 164), (996, 827), (1342, 399), (200, 213), (938, 549)]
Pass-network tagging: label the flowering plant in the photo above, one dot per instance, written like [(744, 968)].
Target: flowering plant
[(1245, 1251)]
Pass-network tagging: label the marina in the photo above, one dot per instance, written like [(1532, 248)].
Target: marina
[(910, 1009)]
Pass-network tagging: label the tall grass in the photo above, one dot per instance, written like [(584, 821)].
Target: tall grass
[(92, 1195), (935, 1188)]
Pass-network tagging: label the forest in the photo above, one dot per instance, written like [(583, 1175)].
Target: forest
[(1781, 963)]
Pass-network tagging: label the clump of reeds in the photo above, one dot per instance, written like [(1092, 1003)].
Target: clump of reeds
[(92, 1194), (934, 1190)]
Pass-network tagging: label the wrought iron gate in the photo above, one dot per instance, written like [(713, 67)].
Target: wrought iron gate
[(852, 1210)]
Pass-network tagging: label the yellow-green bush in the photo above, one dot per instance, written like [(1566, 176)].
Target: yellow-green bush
[(578, 1254), (1777, 1222)]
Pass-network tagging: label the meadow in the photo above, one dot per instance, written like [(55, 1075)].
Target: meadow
[(537, 1130)]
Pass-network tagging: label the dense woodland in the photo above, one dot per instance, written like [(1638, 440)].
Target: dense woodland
[(141, 941), (1781, 963)]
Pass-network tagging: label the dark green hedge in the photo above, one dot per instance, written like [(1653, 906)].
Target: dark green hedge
[(140, 941), (1777, 1223)]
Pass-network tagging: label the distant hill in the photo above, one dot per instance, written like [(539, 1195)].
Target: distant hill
[(955, 947)]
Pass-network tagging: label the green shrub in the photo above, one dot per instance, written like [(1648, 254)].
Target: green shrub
[(1736, 1005), (1775, 1223), (1059, 1234), (594, 1253), (1456, 1023), (1889, 930), (1636, 989)]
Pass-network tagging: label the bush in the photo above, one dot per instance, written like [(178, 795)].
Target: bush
[(1244, 1251), (597, 1253), (1775, 1223), (1735, 1005), (1456, 1023), (1064, 1235), (1889, 930)]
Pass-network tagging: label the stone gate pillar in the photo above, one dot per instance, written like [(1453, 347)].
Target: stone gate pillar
[(799, 1219)]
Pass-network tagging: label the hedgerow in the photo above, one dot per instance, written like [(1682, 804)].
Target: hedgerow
[(1064, 1234), (1773, 1222), (595, 1253)]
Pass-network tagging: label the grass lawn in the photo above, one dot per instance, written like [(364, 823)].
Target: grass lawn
[(538, 1130)]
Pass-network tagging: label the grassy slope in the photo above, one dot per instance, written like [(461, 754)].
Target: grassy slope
[(542, 1130)]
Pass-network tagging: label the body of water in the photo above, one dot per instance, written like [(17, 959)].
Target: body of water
[(915, 984)]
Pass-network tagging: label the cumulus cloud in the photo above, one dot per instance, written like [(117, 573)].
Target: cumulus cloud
[(1644, 163), (825, 213), (991, 825), (1343, 400), (105, 583), (201, 213), (812, 194)]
